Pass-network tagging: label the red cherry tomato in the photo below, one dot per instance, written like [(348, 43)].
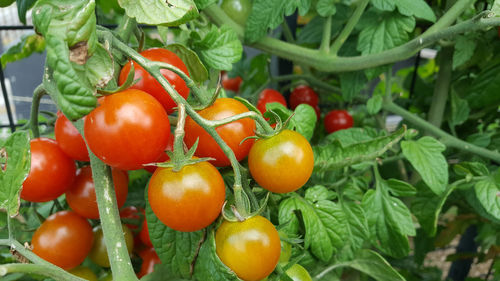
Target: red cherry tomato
[(81, 196), (149, 259), (133, 214), (144, 234), (187, 200), (163, 157), (303, 94), (149, 85), (52, 172), (269, 96), (337, 120), (64, 239), (69, 139), (232, 84), (232, 133), (250, 248), (129, 129)]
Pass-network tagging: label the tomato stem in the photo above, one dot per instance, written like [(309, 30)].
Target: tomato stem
[(349, 27), (327, 34), (442, 87), (35, 105)]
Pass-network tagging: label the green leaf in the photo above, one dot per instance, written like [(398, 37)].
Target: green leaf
[(202, 4), (177, 250), (477, 205), (472, 168), (496, 8), (319, 192), (334, 156), (417, 8), (385, 31), (356, 226), (384, 5), (352, 136), (326, 8), (28, 44), (100, 67), (464, 49), (16, 151), (400, 188), (197, 70), (425, 155), (219, 48), (459, 110), (351, 84), (304, 120), (488, 194), (23, 7), (269, 15), (312, 33), (324, 224), (374, 265), (208, 265), (374, 104), (483, 90), (153, 12), (161, 272)]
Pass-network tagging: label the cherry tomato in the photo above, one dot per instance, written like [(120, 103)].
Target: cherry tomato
[(232, 133), (163, 157), (298, 273), (129, 129), (52, 172), (269, 96), (64, 239), (338, 120), (187, 200), (149, 259), (99, 252), (250, 248), (69, 139), (231, 84), (84, 272), (144, 234), (149, 85), (133, 214), (237, 10), (303, 94), (282, 163)]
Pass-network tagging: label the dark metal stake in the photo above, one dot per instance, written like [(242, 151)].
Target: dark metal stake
[(7, 102)]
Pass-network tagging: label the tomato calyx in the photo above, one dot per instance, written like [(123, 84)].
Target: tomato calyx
[(129, 82), (235, 214)]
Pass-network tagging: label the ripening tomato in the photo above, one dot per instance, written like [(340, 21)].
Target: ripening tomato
[(144, 234), (250, 248), (237, 10), (164, 156), (99, 253), (338, 120), (69, 139), (149, 259), (129, 129), (187, 200), (81, 195), (64, 239), (298, 273), (84, 272), (232, 133), (282, 163), (149, 85), (269, 96), (52, 172), (303, 94), (231, 84)]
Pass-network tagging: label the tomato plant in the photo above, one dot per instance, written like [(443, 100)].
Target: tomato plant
[(84, 272), (149, 260), (250, 248), (163, 157), (237, 10), (231, 84), (149, 85), (144, 234), (269, 96), (81, 195), (303, 94), (67, 232), (338, 120), (69, 139), (127, 130), (51, 173), (98, 254), (298, 273)]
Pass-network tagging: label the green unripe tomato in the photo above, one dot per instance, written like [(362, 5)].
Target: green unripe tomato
[(298, 273), (84, 272), (237, 10), (99, 254)]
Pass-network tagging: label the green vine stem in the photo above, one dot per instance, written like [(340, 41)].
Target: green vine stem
[(332, 63), (349, 27), (442, 87), (35, 105), (287, 32), (327, 35), (450, 16)]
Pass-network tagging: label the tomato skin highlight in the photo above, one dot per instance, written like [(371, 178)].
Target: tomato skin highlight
[(232, 133), (303, 94), (338, 120), (81, 195), (231, 84), (250, 248), (149, 260), (149, 85), (52, 172), (64, 239), (269, 96), (69, 139), (129, 129), (187, 200), (282, 163)]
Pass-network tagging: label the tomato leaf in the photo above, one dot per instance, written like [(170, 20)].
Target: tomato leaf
[(169, 13), (357, 225), (22, 8), (496, 8), (100, 67), (324, 224), (304, 120), (208, 265), (196, 69), (23, 49), (400, 188), (483, 90), (417, 8), (202, 4), (488, 194), (326, 8), (352, 136), (425, 155), (351, 84), (219, 48), (16, 151), (177, 250), (464, 50), (313, 31), (374, 104), (459, 110)]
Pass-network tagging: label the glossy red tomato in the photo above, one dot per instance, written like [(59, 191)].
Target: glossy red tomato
[(269, 96), (129, 129), (232, 133), (188, 200), (232, 84), (52, 172), (144, 234), (163, 157), (303, 94), (64, 239), (149, 85), (131, 213), (69, 139), (337, 120), (282, 163), (99, 252), (250, 248), (81, 196), (149, 259)]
